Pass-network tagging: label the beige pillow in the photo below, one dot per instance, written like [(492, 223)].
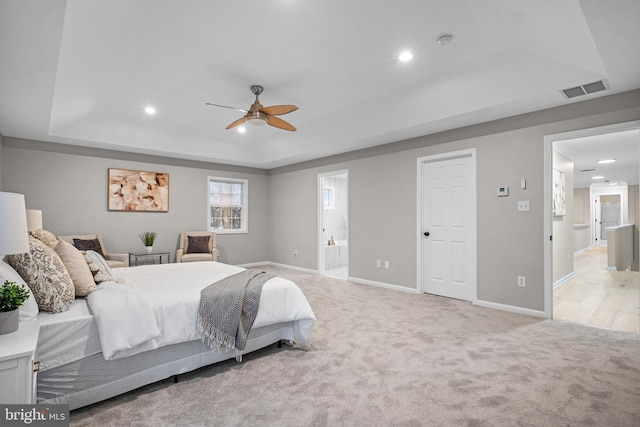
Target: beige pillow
[(43, 271), (44, 236), (77, 267)]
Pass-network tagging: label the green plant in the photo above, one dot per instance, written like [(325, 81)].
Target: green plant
[(148, 237), (12, 296)]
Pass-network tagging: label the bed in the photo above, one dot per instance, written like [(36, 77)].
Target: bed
[(78, 368)]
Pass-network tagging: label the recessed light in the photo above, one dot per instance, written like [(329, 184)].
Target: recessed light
[(405, 56), (242, 129), (606, 161), (150, 110), (613, 183), (597, 177)]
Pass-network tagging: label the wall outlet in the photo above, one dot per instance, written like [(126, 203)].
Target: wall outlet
[(378, 263), (523, 206), (386, 265), (522, 281)]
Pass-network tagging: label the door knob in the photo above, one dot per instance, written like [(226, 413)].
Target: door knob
[(426, 233)]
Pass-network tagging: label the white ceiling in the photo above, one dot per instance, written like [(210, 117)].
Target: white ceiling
[(622, 146), (81, 72)]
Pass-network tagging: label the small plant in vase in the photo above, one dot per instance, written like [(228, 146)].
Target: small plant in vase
[(148, 238), (11, 297)]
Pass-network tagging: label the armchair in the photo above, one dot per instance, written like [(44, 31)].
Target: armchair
[(88, 240), (197, 246)]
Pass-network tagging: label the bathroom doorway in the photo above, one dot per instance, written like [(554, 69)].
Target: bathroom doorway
[(333, 224)]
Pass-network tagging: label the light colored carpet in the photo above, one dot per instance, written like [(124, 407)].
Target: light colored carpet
[(387, 358)]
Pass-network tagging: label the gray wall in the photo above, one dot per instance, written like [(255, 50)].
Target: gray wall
[(70, 188), (383, 200), (1, 161), (71, 191)]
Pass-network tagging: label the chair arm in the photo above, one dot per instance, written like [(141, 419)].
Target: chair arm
[(118, 257), (179, 254)]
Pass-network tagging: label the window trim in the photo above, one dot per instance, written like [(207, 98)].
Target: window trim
[(245, 204)]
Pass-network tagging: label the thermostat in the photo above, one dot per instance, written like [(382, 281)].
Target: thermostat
[(503, 191)]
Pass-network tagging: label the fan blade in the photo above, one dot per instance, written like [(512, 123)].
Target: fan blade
[(279, 109), (226, 106), (279, 123), (238, 122)]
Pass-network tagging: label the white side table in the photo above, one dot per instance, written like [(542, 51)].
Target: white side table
[(18, 368)]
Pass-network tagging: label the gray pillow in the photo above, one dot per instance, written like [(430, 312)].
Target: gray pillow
[(198, 244)]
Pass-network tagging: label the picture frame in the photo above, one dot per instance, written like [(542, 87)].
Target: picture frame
[(559, 193), (137, 191)]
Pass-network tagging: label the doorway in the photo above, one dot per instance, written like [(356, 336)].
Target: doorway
[(610, 208), (447, 225), (586, 295), (333, 224)]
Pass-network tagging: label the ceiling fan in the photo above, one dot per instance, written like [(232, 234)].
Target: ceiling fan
[(259, 115)]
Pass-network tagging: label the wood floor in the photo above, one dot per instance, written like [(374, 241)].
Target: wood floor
[(597, 296)]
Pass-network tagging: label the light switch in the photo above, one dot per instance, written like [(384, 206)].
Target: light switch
[(523, 206)]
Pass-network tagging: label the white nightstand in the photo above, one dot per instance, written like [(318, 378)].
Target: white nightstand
[(18, 369)]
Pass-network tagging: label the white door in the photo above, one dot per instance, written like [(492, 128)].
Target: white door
[(448, 228)]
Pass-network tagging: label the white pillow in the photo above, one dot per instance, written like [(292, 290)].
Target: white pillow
[(99, 267), (29, 309)]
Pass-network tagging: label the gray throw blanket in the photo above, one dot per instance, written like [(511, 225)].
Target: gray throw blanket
[(228, 309)]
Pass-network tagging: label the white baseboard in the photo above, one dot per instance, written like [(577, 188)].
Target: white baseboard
[(383, 285), (564, 279), (275, 264), (486, 304), (510, 308)]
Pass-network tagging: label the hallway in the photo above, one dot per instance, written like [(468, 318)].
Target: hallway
[(597, 296)]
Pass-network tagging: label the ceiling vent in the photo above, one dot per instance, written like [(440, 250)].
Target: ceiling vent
[(585, 89), (588, 170)]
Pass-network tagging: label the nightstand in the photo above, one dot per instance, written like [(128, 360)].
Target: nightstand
[(18, 369)]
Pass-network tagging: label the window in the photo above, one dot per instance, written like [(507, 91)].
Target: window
[(228, 205), (328, 198)]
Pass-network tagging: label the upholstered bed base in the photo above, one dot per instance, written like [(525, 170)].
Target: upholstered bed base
[(93, 379)]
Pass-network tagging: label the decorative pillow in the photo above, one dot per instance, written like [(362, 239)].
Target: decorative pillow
[(47, 237), (43, 271), (81, 275), (198, 244), (99, 267), (88, 245), (29, 309)]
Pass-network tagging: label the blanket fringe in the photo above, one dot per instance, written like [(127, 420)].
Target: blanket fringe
[(217, 340)]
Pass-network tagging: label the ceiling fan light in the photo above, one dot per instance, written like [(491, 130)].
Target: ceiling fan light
[(257, 121)]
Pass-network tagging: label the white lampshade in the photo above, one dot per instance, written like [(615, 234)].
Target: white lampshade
[(34, 219), (13, 224)]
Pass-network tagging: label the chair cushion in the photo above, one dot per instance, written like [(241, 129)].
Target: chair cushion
[(197, 257), (89, 245), (198, 244)]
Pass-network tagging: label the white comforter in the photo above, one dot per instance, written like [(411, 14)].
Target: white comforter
[(157, 305)]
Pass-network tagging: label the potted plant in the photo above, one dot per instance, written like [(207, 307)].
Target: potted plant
[(11, 297), (148, 238)]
